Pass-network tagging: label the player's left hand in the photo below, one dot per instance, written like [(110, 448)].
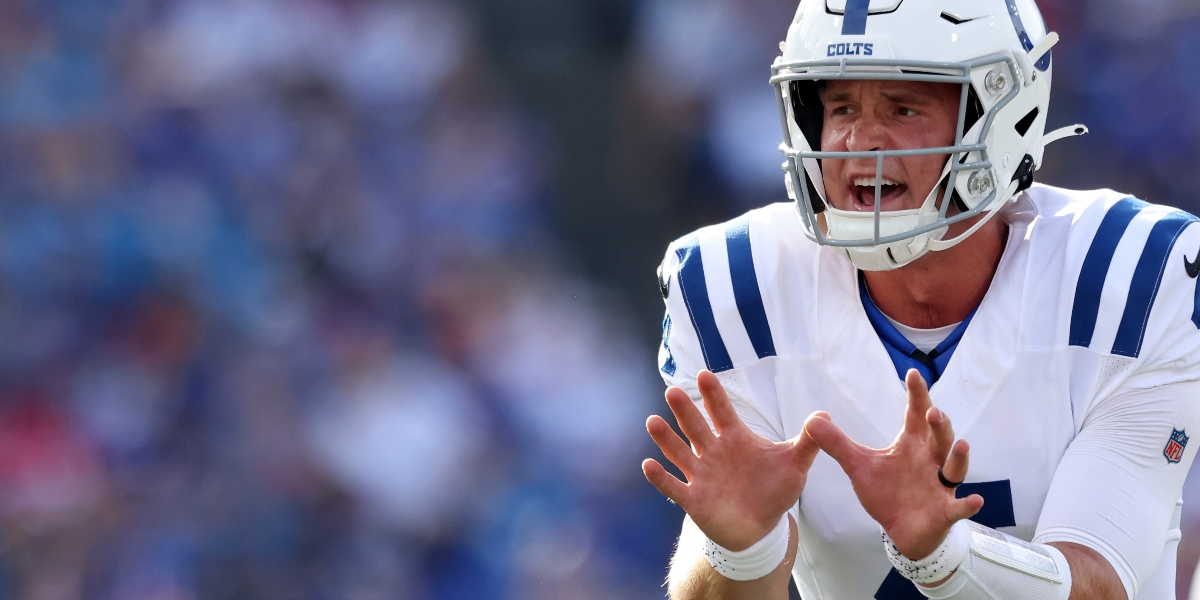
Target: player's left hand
[(898, 485)]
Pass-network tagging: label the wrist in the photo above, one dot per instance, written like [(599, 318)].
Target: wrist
[(760, 559), (939, 564), (916, 543)]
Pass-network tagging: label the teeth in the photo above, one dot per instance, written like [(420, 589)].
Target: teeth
[(871, 181)]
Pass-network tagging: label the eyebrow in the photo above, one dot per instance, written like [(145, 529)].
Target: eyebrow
[(837, 97)]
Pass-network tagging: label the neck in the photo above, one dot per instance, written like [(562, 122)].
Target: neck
[(941, 288)]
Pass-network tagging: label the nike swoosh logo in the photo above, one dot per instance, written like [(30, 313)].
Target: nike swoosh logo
[(1192, 266), (957, 20)]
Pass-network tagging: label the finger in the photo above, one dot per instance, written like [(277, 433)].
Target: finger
[(918, 402), (836, 443), (673, 447), (965, 508), (689, 418), (667, 484), (941, 434), (716, 401), (956, 465), (805, 446)]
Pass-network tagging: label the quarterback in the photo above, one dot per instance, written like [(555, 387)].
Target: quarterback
[(825, 354)]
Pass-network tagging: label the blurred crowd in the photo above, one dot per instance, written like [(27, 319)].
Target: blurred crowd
[(281, 316), (355, 298)]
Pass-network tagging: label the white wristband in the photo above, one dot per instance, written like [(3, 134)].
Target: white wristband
[(940, 564), (754, 562)]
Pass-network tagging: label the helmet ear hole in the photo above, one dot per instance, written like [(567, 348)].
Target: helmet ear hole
[(1026, 122)]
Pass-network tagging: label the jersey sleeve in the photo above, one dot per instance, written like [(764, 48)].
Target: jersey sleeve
[(1118, 486), (691, 342)]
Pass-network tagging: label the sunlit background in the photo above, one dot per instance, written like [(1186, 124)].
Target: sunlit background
[(355, 299)]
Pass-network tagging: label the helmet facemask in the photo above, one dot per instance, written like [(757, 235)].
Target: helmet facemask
[(889, 239)]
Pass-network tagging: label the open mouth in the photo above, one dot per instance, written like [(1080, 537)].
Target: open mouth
[(863, 192)]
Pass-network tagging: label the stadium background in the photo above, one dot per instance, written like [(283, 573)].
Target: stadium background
[(318, 299)]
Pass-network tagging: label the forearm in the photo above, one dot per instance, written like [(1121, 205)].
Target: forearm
[(1078, 571), (693, 578), (1092, 577)]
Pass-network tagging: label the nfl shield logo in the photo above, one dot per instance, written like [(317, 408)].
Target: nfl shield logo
[(1175, 446)]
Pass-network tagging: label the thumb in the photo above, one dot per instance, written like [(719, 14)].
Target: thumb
[(834, 441), (805, 446), (965, 508)]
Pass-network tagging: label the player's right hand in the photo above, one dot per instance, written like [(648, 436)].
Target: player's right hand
[(739, 484)]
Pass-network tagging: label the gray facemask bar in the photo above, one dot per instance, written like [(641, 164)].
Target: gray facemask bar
[(781, 75)]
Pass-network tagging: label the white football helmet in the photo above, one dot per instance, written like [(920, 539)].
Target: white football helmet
[(997, 50)]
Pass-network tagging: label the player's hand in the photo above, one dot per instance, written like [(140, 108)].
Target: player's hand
[(739, 484), (898, 485)]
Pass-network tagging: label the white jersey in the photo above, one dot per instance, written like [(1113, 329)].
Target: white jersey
[(1094, 299)]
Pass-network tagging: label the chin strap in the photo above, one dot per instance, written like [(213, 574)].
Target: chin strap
[(1054, 136), (939, 244), (1060, 133)]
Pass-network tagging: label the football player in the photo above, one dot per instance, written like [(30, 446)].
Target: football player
[(819, 351)]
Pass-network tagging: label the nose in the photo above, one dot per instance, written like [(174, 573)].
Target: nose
[(867, 133)]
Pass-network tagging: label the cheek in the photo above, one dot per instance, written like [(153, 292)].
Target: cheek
[(940, 132), (924, 171), (833, 139), (927, 168), (831, 172)]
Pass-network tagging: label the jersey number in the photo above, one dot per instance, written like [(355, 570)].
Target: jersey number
[(997, 511)]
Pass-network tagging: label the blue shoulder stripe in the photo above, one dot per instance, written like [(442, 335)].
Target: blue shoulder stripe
[(1095, 269), (1147, 277), (745, 287), (695, 296)]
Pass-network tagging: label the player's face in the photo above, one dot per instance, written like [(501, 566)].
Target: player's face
[(886, 115)]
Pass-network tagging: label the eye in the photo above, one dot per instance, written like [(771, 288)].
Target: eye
[(905, 111), (840, 109)]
